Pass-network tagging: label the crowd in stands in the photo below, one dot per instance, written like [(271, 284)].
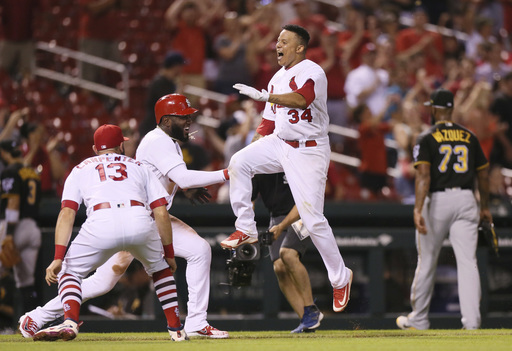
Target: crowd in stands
[(382, 59)]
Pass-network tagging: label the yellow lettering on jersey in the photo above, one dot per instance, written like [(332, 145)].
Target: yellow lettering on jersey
[(451, 135), (438, 136), (28, 173)]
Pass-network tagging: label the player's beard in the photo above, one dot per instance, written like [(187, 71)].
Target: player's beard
[(178, 133)]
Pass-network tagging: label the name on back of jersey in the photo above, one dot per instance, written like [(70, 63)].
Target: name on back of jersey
[(108, 158), (445, 135)]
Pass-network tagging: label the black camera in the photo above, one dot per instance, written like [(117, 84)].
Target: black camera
[(240, 264), (266, 238)]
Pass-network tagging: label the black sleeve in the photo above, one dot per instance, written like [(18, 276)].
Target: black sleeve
[(480, 159), (11, 182)]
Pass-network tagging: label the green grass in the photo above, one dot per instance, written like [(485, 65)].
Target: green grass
[(322, 340)]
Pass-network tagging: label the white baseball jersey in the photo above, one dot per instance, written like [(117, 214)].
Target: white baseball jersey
[(163, 156), (296, 124), (119, 181), (160, 153), (91, 182)]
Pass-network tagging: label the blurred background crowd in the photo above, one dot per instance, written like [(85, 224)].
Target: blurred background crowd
[(382, 59)]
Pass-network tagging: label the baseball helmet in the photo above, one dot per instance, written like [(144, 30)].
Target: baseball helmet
[(174, 105)]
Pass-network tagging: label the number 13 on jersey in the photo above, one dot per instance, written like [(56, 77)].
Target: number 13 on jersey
[(119, 171)]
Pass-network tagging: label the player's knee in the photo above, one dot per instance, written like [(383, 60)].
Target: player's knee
[(202, 252), (279, 268), (289, 257)]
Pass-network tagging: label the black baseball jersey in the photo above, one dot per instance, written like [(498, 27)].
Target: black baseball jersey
[(275, 193), (453, 153), (17, 179)]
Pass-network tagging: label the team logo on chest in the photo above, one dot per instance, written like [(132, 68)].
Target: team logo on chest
[(292, 84)]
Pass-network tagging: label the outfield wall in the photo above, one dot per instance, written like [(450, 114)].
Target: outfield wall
[(377, 243)]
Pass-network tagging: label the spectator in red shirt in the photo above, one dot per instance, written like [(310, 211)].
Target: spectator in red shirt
[(418, 40), (189, 22), (98, 34), (17, 45), (373, 168), (353, 39)]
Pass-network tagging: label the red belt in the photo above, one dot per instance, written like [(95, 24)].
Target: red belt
[(295, 143), (104, 205)]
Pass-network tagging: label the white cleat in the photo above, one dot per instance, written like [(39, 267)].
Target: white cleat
[(28, 327), (177, 335), (402, 322), (66, 331), (210, 332)]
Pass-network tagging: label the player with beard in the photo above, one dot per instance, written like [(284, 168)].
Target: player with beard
[(160, 151)]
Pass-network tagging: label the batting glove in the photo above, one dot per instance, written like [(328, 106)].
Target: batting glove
[(251, 92)]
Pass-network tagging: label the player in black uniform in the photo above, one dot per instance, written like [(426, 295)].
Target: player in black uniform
[(448, 158), (19, 207), (287, 249)]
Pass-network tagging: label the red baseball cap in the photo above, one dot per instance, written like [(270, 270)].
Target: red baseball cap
[(108, 136)]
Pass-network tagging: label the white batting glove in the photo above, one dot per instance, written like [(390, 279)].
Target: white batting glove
[(251, 92)]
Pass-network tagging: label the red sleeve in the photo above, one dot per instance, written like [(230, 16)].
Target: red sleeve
[(69, 203), (157, 203), (308, 91), (266, 127)]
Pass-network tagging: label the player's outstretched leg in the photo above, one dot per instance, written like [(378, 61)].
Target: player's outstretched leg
[(66, 331), (310, 320), (236, 239), (342, 296), (70, 293), (165, 288)]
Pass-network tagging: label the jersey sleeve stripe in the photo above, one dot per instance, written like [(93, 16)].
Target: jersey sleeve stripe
[(482, 167), (70, 204), (421, 163), (158, 203), (307, 91), (266, 127)]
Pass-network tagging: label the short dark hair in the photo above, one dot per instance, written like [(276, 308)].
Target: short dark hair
[(358, 112), (300, 31), (11, 146)]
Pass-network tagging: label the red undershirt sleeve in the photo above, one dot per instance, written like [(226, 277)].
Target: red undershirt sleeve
[(308, 91), (266, 127)]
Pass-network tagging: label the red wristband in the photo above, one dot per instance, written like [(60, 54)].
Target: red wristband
[(226, 174), (169, 251), (60, 252)]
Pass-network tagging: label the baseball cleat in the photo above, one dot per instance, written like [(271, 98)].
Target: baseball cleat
[(301, 329), (177, 334), (342, 296), (402, 322), (210, 332), (65, 331), (236, 239), (310, 320), (28, 327)]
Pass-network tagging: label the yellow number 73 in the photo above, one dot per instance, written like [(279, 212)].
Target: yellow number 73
[(461, 151)]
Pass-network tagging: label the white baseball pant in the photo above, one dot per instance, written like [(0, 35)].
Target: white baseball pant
[(187, 244), (452, 214), (306, 172)]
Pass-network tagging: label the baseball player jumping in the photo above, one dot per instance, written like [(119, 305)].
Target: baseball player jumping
[(117, 191), (296, 105), (160, 151), (448, 158)]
